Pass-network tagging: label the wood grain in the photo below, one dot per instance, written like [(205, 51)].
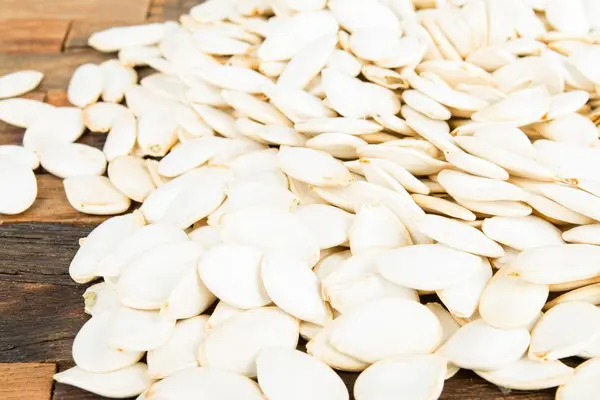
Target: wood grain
[(26, 381), (39, 321), (57, 68), (32, 35), (39, 253), (76, 9), (58, 98)]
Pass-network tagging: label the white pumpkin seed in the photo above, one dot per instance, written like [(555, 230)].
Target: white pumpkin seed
[(232, 273), (314, 167), (508, 302), (443, 206), (121, 138), (208, 382), (458, 235), (376, 227), (480, 346), (57, 125), (439, 267), (130, 175), (157, 133), (573, 199), (179, 352), (520, 108), (522, 233), (19, 82), (19, 184), (347, 295), (587, 234), (384, 328), (72, 159), (526, 374), (330, 225), (462, 299), (118, 38), (104, 238), (422, 378), (270, 229), (138, 330), (99, 298), (584, 382), (135, 245), (589, 294), (235, 344), (294, 288), (558, 263), (95, 195), (120, 384), (189, 298), (21, 111), (564, 330), (254, 108), (91, 351), (308, 62), (282, 373), (145, 284), (339, 145), (234, 78), (289, 38), (86, 85)]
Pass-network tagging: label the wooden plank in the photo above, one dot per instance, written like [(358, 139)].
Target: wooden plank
[(39, 253), (82, 29), (75, 9), (51, 205), (166, 10), (58, 98), (57, 68), (39, 321), (32, 35), (26, 381)]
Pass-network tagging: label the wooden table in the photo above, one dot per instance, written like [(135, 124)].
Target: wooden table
[(41, 309)]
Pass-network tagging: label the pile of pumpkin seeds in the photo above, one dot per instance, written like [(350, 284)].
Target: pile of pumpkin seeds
[(317, 169)]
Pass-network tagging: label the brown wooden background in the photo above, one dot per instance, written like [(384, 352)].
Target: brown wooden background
[(41, 309)]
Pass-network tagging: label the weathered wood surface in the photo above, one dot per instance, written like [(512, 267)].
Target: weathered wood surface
[(41, 309), (20, 381)]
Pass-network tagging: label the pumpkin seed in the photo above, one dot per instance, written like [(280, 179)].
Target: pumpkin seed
[(72, 159), (95, 195), (526, 374), (18, 83), (370, 332), (517, 310), (18, 180), (235, 344), (564, 330), (92, 352), (288, 382), (423, 378), (179, 352), (123, 383), (480, 346)]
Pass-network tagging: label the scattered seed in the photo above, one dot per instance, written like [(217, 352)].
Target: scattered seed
[(18, 83)]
